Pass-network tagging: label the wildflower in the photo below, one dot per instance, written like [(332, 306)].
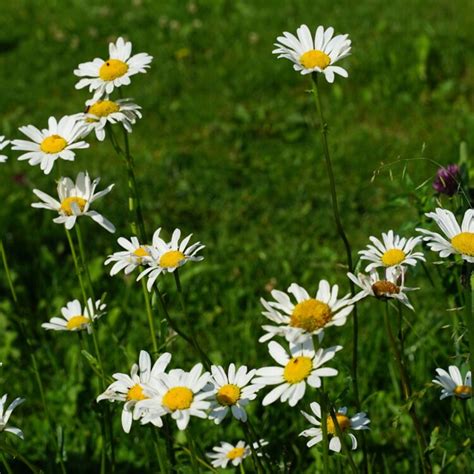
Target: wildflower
[(129, 389), (391, 251), (461, 238), (303, 366), (447, 180), (74, 201), (319, 55), (103, 76), (3, 144), (452, 384), (75, 318), (132, 257), (5, 416), (50, 144), (357, 422), (309, 316), (226, 453)]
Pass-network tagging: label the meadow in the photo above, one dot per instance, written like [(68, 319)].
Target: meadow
[(229, 149)]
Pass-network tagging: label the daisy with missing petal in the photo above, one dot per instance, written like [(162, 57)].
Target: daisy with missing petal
[(50, 144), (168, 256), (308, 316), (232, 391), (461, 238), (6, 413), (75, 318), (3, 144), (392, 250), (319, 55), (74, 201), (103, 76), (227, 453), (452, 384), (132, 257), (357, 422), (129, 388), (303, 366)]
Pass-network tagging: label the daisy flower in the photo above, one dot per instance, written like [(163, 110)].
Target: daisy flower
[(50, 144), (168, 256), (3, 144), (391, 251), (303, 366), (226, 452), (319, 55), (452, 384), (5, 416), (461, 238), (75, 318), (129, 388), (132, 257), (233, 391), (74, 201), (308, 316), (357, 422), (103, 76)]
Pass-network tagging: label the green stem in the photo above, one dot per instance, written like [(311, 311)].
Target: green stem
[(85, 266), (15, 454), (5, 463), (324, 428), (192, 450), (257, 438), (149, 313), (468, 310), (76, 266), (248, 438), (161, 461)]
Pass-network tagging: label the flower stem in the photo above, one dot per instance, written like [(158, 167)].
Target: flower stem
[(257, 438), (467, 271), (159, 452), (256, 460), (15, 454), (149, 313)]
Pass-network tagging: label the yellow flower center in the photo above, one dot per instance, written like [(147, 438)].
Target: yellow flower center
[(136, 393), (384, 287), (310, 315), (77, 322), (343, 422), (141, 252), (228, 394), (297, 369), (112, 69), (66, 204), (53, 144), (463, 391), (393, 257), (178, 398), (315, 58), (235, 453), (171, 259), (464, 243), (102, 108)]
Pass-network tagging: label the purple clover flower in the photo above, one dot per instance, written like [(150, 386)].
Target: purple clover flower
[(447, 180)]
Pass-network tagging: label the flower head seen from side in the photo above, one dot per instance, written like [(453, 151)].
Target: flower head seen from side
[(74, 201), (129, 389), (448, 180), (75, 317), (102, 77), (302, 366), (461, 237), (3, 144), (58, 141), (227, 453), (5, 413), (310, 55), (452, 384), (233, 390), (391, 251), (308, 316), (129, 259), (168, 256), (357, 422)]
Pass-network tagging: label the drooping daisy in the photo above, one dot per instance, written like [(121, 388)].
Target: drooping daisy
[(303, 366), (391, 251), (75, 200), (129, 388), (103, 76), (132, 257), (168, 256), (226, 452), (3, 144), (76, 318), (319, 55), (309, 316), (6, 413), (357, 422), (461, 238), (50, 144), (452, 384), (232, 391)]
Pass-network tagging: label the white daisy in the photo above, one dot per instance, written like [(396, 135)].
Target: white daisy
[(132, 257), (461, 238), (303, 366), (452, 384), (74, 201), (129, 388), (319, 55), (309, 316), (391, 251), (232, 391), (103, 76), (226, 453), (75, 318), (357, 422), (50, 144), (3, 144), (168, 256), (6, 413)]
